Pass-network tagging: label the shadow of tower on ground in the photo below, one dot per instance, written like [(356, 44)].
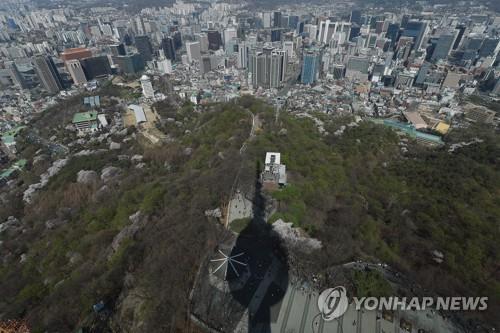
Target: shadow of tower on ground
[(266, 261)]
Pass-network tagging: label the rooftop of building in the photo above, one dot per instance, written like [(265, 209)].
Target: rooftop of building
[(84, 116)]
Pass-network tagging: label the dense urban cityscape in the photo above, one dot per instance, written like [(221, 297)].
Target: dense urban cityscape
[(213, 166)]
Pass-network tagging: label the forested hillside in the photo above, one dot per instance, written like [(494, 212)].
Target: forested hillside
[(133, 236)]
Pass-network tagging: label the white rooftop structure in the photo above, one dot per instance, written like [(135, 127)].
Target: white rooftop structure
[(273, 158), (140, 116), (274, 172), (147, 87)]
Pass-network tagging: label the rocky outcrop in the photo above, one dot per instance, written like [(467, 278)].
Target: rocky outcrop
[(110, 173), (10, 226), (293, 238), (87, 177), (126, 233), (44, 179), (114, 146)]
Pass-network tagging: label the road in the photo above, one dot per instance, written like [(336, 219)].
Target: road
[(236, 178)]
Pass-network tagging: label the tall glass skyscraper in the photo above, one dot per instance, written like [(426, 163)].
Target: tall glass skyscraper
[(310, 67), (415, 29)]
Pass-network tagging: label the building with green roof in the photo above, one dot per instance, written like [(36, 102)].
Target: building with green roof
[(85, 121)]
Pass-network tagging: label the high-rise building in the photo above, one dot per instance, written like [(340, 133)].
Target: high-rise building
[(147, 87), (242, 61), (416, 30), (16, 76), (206, 64), (312, 30), (268, 68), (266, 19), (277, 19), (355, 32), (167, 44), (326, 30), (143, 45), (293, 21), (392, 33), (473, 43), (203, 39), (404, 47), (193, 51), (176, 36), (214, 40), (460, 35), (356, 17), (48, 74), (229, 34), (118, 49), (279, 63), (139, 25), (288, 48), (310, 67), (357, 68), (338, 71), (340, 36), (275, 35), (95, 67), (488, 47), (443, 46), (76, 71), (129, 64)]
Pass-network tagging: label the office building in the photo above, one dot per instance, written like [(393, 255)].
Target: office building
[(443, 46), (95, 67), (293, 21), (203, 39), (355, 32), (118, 49), (355, 17), (288, 48), (242, 61), (338, 71), (177, 37), (277, 19), (357, 68), (326, 30), (76, 71), (143, 45), (16, 77), (129, 64), (206, 64), (229, 34), (214, 40), (167, 44), (392, 33), (488, 47), (275, 35), (48, 74), (267, 19), (415, 30), (460, 35), (193, 51), (310, 67)]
